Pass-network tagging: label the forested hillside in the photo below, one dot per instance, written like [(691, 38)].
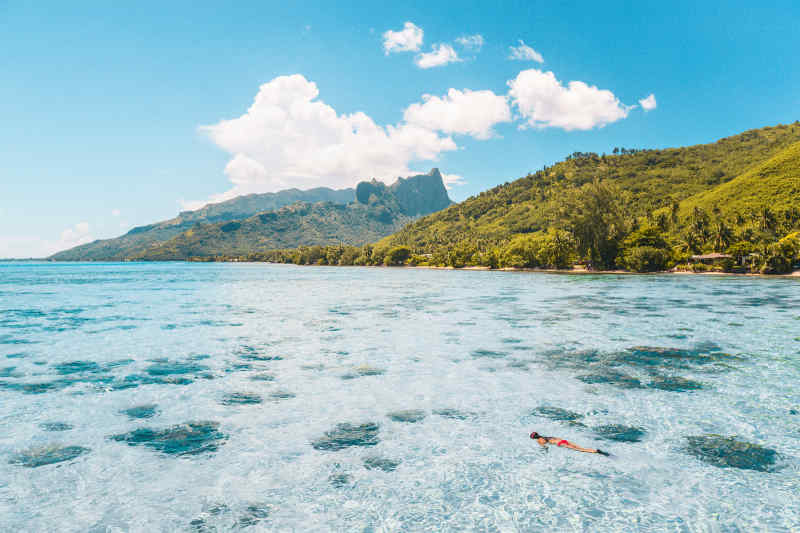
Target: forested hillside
[(379, 210), (285, 219), (643, 209), (139, 239)]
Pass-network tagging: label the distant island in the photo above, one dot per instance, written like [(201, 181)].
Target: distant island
[(728, 206), (289, 218)]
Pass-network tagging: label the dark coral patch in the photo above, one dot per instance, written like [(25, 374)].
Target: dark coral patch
[(346, 435), (559, 415), (241, 398), (191, 438), (55, 426), (407, 415), (612, 377), (47, 455), (142, 411), (728, 452), (674, 384), (381, 463), (620, 433)]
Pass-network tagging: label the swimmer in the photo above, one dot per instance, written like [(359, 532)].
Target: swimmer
[(544, 441)]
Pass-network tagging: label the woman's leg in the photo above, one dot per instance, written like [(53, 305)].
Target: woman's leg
[(574, 447)]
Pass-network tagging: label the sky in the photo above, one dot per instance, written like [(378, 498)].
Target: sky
[(119, 114)]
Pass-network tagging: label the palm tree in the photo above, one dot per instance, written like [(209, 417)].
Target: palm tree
[(766, 219), (722, 235)]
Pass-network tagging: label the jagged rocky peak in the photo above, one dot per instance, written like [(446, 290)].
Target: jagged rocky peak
[(416, 195)]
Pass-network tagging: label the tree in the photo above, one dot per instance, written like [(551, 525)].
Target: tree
[(397, 256), (722, 236), (595, 216), (556, 249)]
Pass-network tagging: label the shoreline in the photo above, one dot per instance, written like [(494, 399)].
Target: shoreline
[(583, 271), (580, 271)]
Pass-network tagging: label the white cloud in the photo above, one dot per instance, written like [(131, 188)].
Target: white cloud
[(523, 52), (29, 246), (544, 102), (116, 212), (289, 138), (75, 236), (649, 103), (471, 42), (452, 180), (466, 112), (441, 55), (409, 39)]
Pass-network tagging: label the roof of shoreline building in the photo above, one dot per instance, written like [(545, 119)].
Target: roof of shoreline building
[(711, 256)]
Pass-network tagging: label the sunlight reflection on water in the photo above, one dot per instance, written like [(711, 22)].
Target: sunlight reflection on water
[(188, 396)]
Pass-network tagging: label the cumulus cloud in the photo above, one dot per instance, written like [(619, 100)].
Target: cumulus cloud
[(452, 180), (289, 138), (409, 39), (466, 112), (75, 236), (523, 52), (471, 42), (544, 102), (25, 246), (649, 103), (441, 55)]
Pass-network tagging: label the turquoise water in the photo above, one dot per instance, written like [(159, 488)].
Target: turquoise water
[(203, 397)]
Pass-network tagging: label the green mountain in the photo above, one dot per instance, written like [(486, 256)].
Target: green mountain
[(290, 218), (773, 184), (744, 172), (141, 238)]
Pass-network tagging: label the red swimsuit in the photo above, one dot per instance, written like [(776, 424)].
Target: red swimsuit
[(562, 442)]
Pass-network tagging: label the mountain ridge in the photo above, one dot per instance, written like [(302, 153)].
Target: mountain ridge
[(391, 207)]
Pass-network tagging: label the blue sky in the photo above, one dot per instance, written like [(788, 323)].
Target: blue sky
[(115, 116)]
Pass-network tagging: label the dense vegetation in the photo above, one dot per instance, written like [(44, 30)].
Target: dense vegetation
[(641, 210), (288, 218), (315, 224), (138, 240)]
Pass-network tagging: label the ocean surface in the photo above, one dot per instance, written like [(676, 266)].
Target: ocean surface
[(217, 397)]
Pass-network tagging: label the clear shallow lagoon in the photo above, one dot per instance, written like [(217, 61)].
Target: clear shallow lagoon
[(167, 396)]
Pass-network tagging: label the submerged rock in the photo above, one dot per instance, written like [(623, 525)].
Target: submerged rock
[(728, 452), (135, 380), (54, 385), (282, 395), (171, 368), (488, 353), (47, 455), (76, 367), (340, 480), (620, 433), (674, 383), (380, 463), (141, 411), (346, 435), (559, 415), (454, 414), (55, 426), (612, 377), (701, 354), (364, 370), (240, 398), (191, 438), (408, 415), (253, 514), (262, 377)]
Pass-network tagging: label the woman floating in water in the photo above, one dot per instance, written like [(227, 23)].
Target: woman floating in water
[(544, 441)]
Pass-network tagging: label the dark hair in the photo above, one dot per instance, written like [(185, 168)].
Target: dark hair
[(535, 435)]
